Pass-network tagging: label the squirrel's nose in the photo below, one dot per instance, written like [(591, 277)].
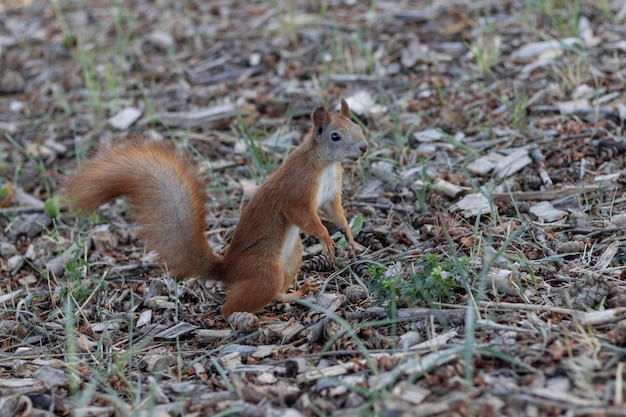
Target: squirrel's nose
[(363, 147)]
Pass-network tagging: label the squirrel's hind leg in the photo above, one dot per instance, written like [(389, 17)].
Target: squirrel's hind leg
[(290, 271), (251, 289)]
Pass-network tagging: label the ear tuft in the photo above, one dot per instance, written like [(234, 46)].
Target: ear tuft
[(345, 109), (320, 117)]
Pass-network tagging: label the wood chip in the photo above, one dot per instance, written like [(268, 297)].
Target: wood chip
[(125, 118), (546, 212), (178, 330)]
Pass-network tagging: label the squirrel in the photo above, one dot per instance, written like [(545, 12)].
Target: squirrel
[(265, 252)]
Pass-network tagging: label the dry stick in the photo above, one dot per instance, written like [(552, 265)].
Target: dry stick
[(539, 159), (389, 207), (550, 194), (594, 318)]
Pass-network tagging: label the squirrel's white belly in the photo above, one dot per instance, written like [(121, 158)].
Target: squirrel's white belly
[(328, 186), (290, 241)]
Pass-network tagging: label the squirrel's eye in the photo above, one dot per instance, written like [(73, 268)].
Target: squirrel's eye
[(335, 136)]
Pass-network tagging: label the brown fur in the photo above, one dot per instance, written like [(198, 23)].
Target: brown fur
[(169, 202)]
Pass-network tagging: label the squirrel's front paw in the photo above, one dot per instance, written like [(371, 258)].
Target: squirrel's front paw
[(329, 247), (351, 250)]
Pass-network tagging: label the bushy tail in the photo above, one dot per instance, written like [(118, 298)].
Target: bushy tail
[(165, 194)]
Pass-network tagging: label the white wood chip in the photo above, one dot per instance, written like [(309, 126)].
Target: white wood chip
[(177, 330), (361, 102), (600, 318), (248, 186), (383, 170), (84, 343), (607, 178), (103, 239), (200, 370), (98, 327), (328, 372), (12, 384), (160, 302), (410, 172), (503, 281), (607, 256), (144, 318), (11, 297), (471, 205), (585, 30), (583, 91), (124, 119), (230, 360), (619, 220), (264, 351), (291, 412), (534, 49), (409, 339), (266, 378), (449, 189), (437, 341), (485, 164), (512, 163), (198, 117), (568, 107), (428, 362), (211, 335), (621, 111), (412, 394), (429, 135), (161, 39), (547, 212), (566, 397)]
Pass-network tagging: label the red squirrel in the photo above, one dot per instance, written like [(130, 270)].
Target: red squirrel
[(265, 252)]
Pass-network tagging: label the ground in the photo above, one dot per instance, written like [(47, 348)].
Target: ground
[(489, 209)]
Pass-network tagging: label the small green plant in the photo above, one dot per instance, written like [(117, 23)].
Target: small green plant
[(430, 280), (355, 228), (51, 207), (33, 159), (76, 287), (264, 163), (92, 83), (558, 17), (6, 191), (485, 50)]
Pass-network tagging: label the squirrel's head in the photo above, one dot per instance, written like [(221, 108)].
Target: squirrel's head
[(339, 138)]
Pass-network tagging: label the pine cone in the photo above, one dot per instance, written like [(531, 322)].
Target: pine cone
[(318, 263), (587, 293), (531, 182), (608, 149), (355, 293), (361, 269), (617, 298), (575, 246), (245, 322), (368, 239)]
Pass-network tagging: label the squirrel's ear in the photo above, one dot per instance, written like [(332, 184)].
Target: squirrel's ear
[(320, 118), (345, 109)]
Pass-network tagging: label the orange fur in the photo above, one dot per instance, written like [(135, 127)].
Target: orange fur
[(169, 203)]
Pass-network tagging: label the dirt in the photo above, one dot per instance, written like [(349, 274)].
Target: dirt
[(489, 209)]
